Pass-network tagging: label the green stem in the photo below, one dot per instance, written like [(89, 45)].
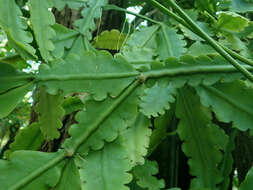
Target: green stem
[(211, 41), (198, 69), (183, 70), (168, 12), (91, 76)]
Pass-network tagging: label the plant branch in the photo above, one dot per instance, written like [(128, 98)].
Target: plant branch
[(91, 76), (198, 69)]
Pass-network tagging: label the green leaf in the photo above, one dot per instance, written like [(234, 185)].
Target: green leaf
[(157, 100), (231, 22), (70, 177), (29, 138), (42, 21), (135, 139), (145, 176), (102, 171), (15, 26), (122, 117), (92, 11), (72, 104), (188, 33), (112, 40), (201, 140), (63, 39), (21, 164), (226, 101), (50, 111), (227, 162), (169, 43), (73, 4), (81, 74), (159, 133), (10, 99), (247, 184), (241, 6), (10, 78), (208, 5), (198, 49), (144, 37), (140, 46)]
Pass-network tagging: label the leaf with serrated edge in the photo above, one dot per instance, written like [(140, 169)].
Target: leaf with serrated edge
[(15, 27), (111, 40), (231, 22), (135, 139), (106, 169), (169, 43), (50, 111), (42, 21), (200, 140), (122, 117), (89, 63), (156, 100), (145, 176), (226, 101)]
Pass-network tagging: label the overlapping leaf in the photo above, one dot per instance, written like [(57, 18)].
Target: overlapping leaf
[(159, 133), (231, 22), (92, 11), (106, 169), (42, 21), (227, 162), (112, 40), (135, 139), (10, 99), (202, 140), (64, 39), (226, 101), (156, 100), (169, 43), (15, 27), (145, 176), (50, 111), (22, 164), (10, 78), (82, 74)]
